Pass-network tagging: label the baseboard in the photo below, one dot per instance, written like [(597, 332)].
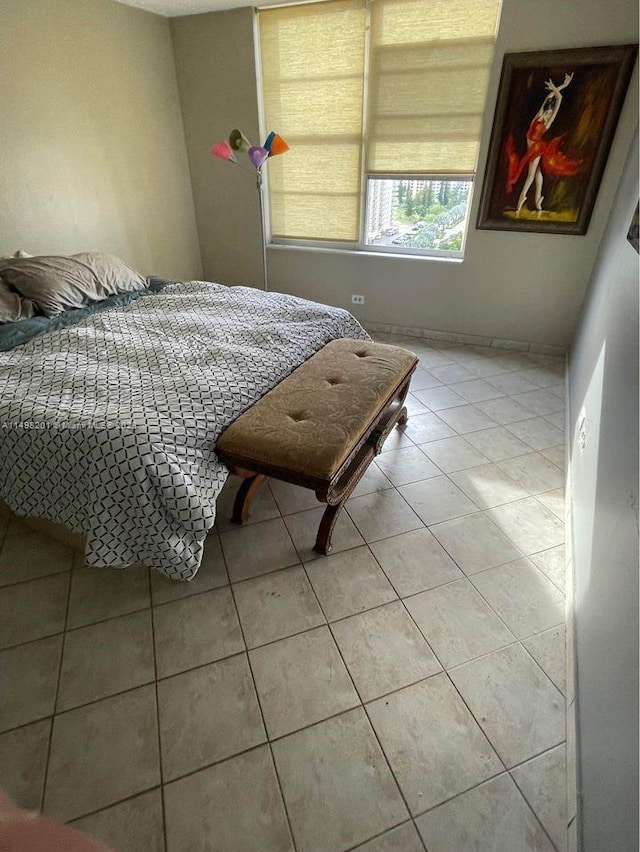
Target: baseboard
[(476, 339)]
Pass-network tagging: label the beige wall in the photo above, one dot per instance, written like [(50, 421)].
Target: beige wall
[(526, 287), (92, 152), (217, 80)]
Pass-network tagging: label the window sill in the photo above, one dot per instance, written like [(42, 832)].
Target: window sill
[(358, 252)]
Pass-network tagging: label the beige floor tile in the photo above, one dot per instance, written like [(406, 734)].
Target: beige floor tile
[(433, 357), (518, 707), (292, 498), (548, 375), (257, 549), (263, 506), (99, 593), (414, 406), (384, 650), (518, 382), (301, 680), (105, 658), (439, 398), (451, 454), (415, 561), (28, 681), (432, 742), (450, 373), (23, 763), (476, 390), (197, 630), (475, 542), (29, 555), (557, 419), (529, 525), (382, 514), (407, 465), (466, 418), (504, 410), (374, 479), (497, 443), (404, 838), (437, 500), (131, 826), (102, 753), (458, 624), (423, 379), (538, 433), (556, 455), (212, 574), (427, 427), (548, 649), (553, 565), (489, 486), (336, 784), (33, 610), (543, 782), (303, 529), (192, 733), (522, 596), (533, 472), (276, 605), (350, 582), (484, 367), (398, 437), (493, 816), (542, 401), (554, 501), (237, 802)]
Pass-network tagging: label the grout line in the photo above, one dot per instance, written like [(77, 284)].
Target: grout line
[(259, 702), (155, 670), (56, 696)]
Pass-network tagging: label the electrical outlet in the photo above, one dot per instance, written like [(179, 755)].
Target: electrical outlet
[(357, 300)]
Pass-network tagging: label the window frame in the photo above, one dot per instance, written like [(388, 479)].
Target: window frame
[(359, 246)]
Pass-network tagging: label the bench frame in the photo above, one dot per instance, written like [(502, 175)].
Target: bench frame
[(336, 491)]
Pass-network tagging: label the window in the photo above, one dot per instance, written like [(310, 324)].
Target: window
[(381, 103)]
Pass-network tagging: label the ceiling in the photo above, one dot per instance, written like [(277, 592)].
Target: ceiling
[(171, 8)]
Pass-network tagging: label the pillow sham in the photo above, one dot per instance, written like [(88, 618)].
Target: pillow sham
[(12, 306), (56, 282)]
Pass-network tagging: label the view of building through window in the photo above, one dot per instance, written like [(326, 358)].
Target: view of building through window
[(417, 213)]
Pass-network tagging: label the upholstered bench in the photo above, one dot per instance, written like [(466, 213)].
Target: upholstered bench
[(321, 426)]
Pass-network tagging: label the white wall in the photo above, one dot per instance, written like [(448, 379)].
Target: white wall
[(603, 384), (92, 151), (518, 286)]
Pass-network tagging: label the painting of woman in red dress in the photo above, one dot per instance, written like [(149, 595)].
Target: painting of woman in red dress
[(542, 155), (555, 116)]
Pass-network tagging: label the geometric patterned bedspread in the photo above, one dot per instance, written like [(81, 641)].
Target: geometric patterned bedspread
[(109, 426)]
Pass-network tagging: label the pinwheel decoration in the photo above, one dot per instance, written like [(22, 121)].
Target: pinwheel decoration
[(228, 149)]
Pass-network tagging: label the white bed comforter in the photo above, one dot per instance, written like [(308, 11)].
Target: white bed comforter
[(109, 426)]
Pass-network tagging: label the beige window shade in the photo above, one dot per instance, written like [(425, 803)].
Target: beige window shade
[(428, 73), (313, 82)]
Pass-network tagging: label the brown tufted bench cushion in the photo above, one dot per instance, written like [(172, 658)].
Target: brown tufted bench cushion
[(322, 425)]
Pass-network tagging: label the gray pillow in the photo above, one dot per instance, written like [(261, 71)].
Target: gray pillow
[(12, 306), (56, 283)]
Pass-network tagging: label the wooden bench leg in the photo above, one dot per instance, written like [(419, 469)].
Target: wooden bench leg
[(328, 522), (246, 492)]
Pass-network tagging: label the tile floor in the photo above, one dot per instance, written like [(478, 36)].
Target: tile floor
[(404, 693)]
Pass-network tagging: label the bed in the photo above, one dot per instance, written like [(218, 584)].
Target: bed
[(108, 424)]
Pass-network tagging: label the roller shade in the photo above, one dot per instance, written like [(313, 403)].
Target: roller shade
[(313, 82), (426, 64), (428, 71)]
